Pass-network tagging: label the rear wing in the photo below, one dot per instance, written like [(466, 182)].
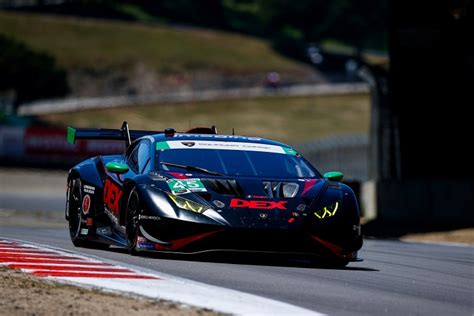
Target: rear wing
[(123, 133)]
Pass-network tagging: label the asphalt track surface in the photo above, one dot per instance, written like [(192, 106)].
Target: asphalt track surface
[(396, 278)]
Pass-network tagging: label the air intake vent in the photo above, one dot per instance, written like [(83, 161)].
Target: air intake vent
[(224, 187), (280, 189)]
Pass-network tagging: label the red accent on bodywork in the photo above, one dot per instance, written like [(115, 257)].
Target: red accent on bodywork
[(112, 195), (263, 205), (338, 251), (308, 184), (177, 175), (180, 243), (291, 220), (86, 204)]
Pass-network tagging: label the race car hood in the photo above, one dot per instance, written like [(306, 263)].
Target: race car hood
[(252, 202)]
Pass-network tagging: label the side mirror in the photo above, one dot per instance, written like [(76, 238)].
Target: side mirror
[(334, 176), (116, 167)]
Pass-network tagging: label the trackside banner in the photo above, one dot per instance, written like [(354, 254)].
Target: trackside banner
[(52, 141), (40, 144)]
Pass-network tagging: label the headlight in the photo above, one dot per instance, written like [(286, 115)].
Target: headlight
[(327, 211), (187, 204), (290, 189)]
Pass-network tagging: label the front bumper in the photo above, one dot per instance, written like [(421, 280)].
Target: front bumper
[(185, 237)]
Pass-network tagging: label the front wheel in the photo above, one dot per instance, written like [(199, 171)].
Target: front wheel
[(132, 225)]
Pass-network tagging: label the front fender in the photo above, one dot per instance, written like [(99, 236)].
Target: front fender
[(155, 202)]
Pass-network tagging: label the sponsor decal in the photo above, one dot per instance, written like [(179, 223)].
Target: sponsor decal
[(146, 245), (218, 203), (189, 144), (84, 231), (263, 215), (207, 144), (103, 230), (86, 204), (218, 136), (88, 189), (153, 218), (111, 216), (301, 207), (89, 221), (264, 205), (112, 195), (357, 229), (186, 185)]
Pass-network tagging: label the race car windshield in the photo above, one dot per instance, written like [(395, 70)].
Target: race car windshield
[(236, 163)]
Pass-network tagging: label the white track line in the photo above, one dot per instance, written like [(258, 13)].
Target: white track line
[(173, 288)]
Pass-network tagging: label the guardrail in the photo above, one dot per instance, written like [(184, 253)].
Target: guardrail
[(77, 104)]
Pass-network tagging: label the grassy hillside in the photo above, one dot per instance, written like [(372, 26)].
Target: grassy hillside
[(94, 44), (292, 120)]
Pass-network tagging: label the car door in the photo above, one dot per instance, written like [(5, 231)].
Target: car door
[(113, 185)]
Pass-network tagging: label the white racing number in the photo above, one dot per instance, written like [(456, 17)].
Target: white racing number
[(186, 185)]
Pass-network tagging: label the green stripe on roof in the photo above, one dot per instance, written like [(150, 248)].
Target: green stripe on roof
[(162, 145), (290, 151)]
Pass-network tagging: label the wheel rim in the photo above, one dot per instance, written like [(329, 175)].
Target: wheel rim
[(74, 206)]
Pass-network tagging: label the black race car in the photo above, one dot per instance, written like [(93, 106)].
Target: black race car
[(200, 191)]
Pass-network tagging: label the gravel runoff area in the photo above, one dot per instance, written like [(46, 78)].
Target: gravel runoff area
[(23, 294)]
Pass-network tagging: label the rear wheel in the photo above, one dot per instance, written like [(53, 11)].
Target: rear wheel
[(74, 215), (133, 212)]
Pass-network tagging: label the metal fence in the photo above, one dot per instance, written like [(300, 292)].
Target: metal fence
[(348, 154)]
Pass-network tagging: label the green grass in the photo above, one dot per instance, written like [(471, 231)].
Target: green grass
[(96, 44), (291, 120)]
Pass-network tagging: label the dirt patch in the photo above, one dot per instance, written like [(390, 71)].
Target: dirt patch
[(23, 294), (465, 236)]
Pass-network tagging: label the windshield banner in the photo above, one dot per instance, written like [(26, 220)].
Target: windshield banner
[(204, 144)]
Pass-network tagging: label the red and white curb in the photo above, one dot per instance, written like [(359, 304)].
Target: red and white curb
[(53, 263), (71, 267)]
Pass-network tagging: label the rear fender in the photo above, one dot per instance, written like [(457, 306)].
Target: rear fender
[(90, 175)]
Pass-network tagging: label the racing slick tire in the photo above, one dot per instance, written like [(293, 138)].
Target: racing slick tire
[(133, 211), (74, 216)]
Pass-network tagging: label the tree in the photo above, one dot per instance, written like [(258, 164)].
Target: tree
[(30, 74)]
